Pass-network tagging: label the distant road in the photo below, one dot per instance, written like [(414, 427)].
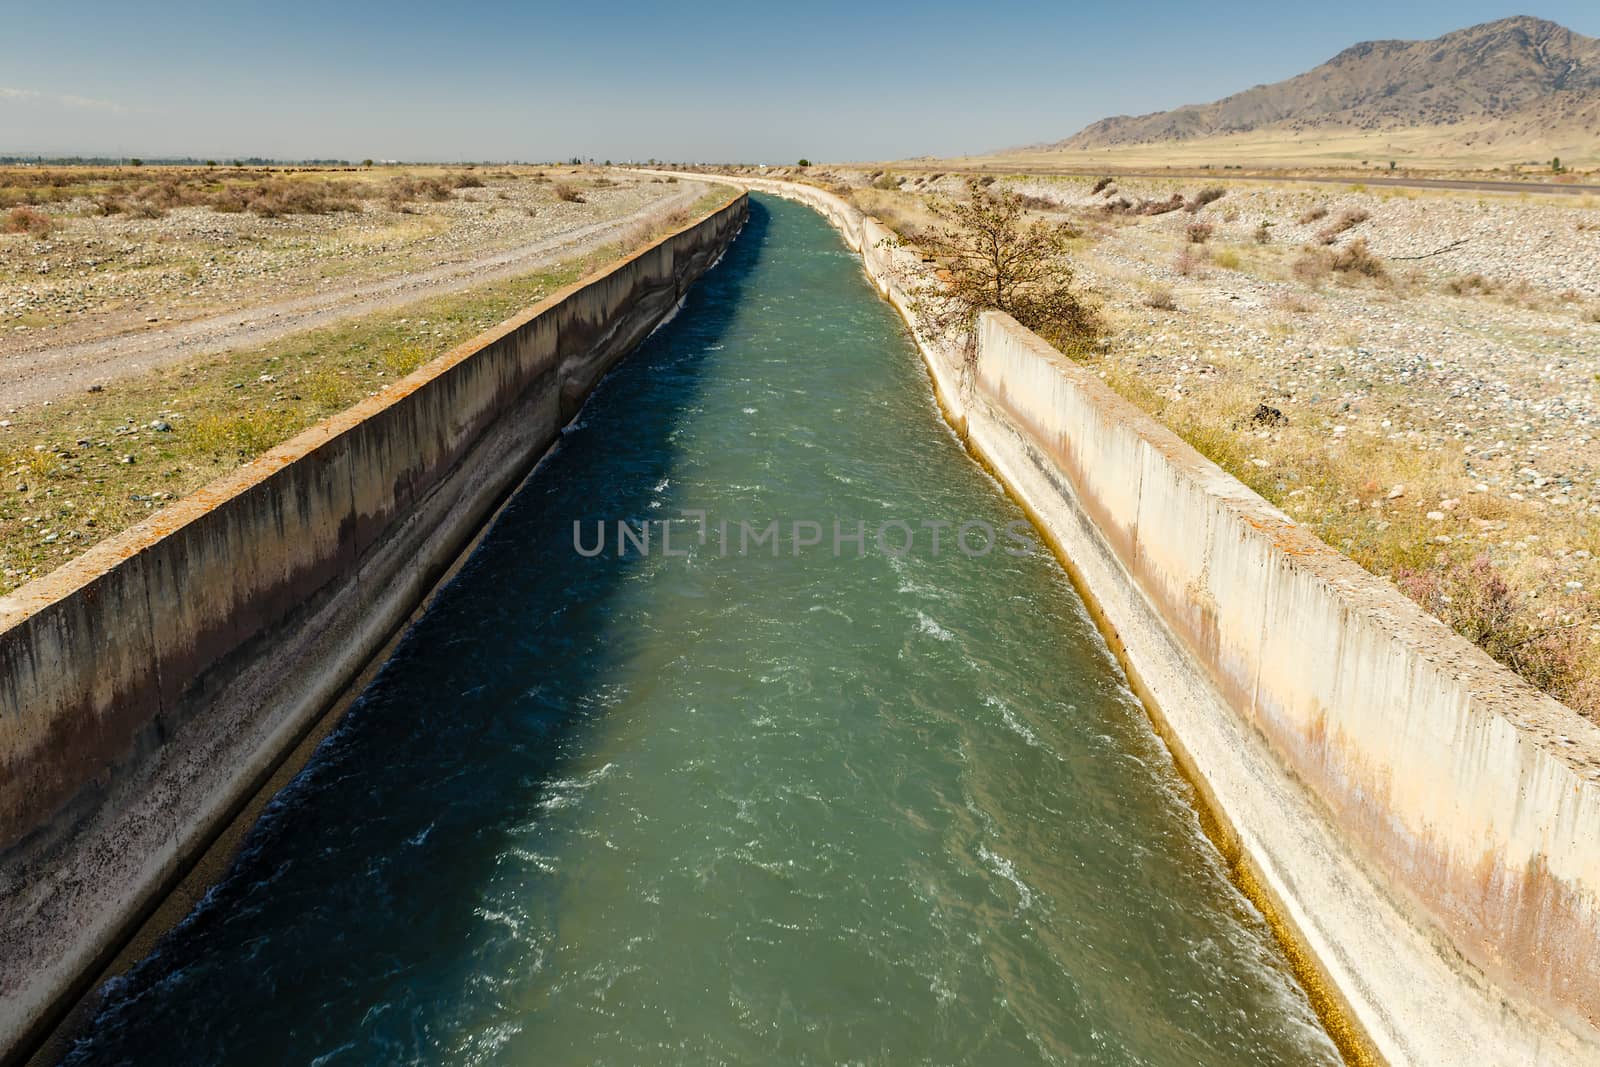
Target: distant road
[(1470, 185)]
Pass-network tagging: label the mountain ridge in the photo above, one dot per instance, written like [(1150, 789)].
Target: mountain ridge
[(1510, 78)]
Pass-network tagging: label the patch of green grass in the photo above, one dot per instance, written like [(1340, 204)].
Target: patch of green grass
[(83, 468)]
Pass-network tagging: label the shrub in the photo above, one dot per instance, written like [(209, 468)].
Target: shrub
[(995, 258), (1263, 234), (887, 182), (1479, 605), (1199, 233), (1313, 215), (1209, 195), (1161, 299), (804, 162), (1355, 258), (1471, 284), (1228, 259), (1099, 186), (1348, 219), (30, 221), (1161, 207), (569, 193), (1189, 259), (1312, 266), (466, 181), (1037, 203)]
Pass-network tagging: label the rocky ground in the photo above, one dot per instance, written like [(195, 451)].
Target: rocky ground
[(191, 397), (1438, 410), (98, 285)]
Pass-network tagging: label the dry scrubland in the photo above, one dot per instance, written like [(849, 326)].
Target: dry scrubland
[(92, 252), (79, 469), (1435, 148), (1412, 375)]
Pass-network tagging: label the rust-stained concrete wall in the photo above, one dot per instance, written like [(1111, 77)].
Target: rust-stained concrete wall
[(1421, 822), (147, 687)]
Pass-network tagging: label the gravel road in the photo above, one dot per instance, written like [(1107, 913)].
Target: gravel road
[(33, 375)]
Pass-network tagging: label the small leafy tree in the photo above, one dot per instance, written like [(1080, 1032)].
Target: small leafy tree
[(996, 257), (804, 162), (135, 162)]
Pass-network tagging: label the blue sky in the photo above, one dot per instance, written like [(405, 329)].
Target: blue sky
[(619, 79)]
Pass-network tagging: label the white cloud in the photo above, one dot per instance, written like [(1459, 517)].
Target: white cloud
[(79, 103)]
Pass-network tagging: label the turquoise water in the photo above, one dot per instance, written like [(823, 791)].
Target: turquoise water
[(725, 808)]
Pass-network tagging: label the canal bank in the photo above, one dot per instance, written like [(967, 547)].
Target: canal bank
[(645, 807), (1423, 826), (150, 686)]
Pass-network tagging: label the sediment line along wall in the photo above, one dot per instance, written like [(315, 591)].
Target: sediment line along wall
[(1416, 818), (147, 687)]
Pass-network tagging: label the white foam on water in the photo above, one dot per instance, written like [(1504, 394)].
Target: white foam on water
[(1007, 870), (926, 625)]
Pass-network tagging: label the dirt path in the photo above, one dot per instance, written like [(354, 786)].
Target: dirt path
[(37, 375)]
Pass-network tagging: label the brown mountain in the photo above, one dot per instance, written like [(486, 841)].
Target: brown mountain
[(1505, 80)]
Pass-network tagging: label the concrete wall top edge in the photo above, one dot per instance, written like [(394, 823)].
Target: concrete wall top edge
[(1555, 728), (84, 570)]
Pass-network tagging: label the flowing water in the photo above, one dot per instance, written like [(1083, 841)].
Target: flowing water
[(719, 808)]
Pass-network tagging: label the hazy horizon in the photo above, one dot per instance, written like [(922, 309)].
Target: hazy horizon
[(720, 82)]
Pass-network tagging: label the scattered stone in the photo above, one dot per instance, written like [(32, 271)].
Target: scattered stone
[(1266, 415)]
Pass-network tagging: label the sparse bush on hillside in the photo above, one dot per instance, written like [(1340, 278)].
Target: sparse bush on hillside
[(887, 182), (1470, 285), (1190, 257), (1209, 195), (1347, 220), (1479, 605), (1355, 258), (1199, 233), (1037, 203), (1312, 266), (996, 258), (1316, 264), (1313, 215), (1161, 207), (1161, 299), (569, 193), (30, 221), (1100, 186), (1263, 233)]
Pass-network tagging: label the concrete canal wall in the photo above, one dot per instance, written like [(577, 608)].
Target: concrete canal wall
[(1421, 825), (148, 687)]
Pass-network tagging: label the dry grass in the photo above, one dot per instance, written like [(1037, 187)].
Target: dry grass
[(27, 220), (81, 469), (1347, 220), (1400, 512)]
